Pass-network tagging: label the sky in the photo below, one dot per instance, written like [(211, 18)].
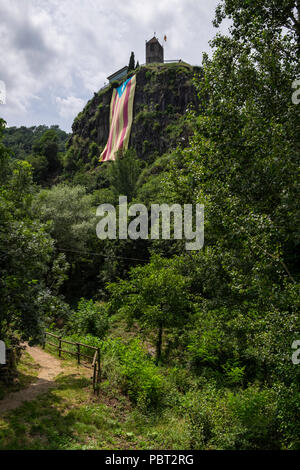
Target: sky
[(54, 54)]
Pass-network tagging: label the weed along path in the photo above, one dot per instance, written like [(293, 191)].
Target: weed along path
[(50, 367)]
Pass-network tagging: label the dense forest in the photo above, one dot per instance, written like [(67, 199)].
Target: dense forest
[(199, 339)]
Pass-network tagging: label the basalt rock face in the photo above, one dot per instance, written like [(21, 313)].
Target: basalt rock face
[(163, 94)]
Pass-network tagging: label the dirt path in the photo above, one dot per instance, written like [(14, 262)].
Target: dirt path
[(49, 369)]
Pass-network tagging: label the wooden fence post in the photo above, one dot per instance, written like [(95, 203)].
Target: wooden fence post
[(94, 377), (59, 347), (96, 363), (99, 371), (78, 353)]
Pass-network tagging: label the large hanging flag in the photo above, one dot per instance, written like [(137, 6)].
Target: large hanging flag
[(121, 111)]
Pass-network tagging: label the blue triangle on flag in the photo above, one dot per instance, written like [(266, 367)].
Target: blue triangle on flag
[(122, 87)]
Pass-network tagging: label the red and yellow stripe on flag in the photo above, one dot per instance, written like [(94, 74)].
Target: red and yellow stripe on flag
[(121, 111)]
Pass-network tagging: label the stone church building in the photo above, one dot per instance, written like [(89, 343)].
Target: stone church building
[(154, 51)]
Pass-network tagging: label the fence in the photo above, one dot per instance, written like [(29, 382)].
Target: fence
[(95, 363)]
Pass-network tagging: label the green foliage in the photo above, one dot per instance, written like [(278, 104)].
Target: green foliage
[(123, 174), (41, 146), (26, 257), (87, 339), (242, 165), (21, 140), (71, 214), (93, 151), (156, 295), (131, 65), (39, 164), (140, 378), (47, 145), (146, 115), (146, 146), (89, 318), (222, 420), (234, 373), (288, 413)]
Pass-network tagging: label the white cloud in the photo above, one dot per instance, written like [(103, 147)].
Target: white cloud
[(66, 49), (70, 106)]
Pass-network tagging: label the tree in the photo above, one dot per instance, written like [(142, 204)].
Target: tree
[(70, 218), (4, 156), (40, 168), (48, 146), (90, 318), (26, 257), (131, 65), (156, 296), (124, 173), (253, 18), (70, 214), (242, 164), (20, 140)]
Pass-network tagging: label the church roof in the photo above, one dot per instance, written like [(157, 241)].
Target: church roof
[(153, 40)]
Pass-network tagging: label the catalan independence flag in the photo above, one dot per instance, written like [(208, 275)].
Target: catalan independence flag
[(121, 110)]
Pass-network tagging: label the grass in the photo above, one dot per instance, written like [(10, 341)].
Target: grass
[(72, 417), (27, 374)]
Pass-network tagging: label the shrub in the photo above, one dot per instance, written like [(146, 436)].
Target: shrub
[(255, 413), (140, 378), (93, 150), (288, 415), (90, 318), (222, 420)]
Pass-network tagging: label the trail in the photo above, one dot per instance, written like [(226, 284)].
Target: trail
[(50, 367)]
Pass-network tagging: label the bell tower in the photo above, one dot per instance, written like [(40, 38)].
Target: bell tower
[(154, 51)]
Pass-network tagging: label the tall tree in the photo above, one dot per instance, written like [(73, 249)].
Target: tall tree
[(251, 18), (47, 146), (124, 173), (156, 296), (243, 165), (131, 65)]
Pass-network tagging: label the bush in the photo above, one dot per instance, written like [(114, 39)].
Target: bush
[(90, 318), (288, 415), (140, 378), (222, 420), (254, 413)]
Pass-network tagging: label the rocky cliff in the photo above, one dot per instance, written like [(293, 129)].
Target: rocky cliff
[(163, 94)]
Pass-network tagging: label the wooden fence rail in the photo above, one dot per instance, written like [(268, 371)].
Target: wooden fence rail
[(95, 359)]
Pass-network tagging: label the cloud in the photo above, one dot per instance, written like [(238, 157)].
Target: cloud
[(70, 106), (54, 54)]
